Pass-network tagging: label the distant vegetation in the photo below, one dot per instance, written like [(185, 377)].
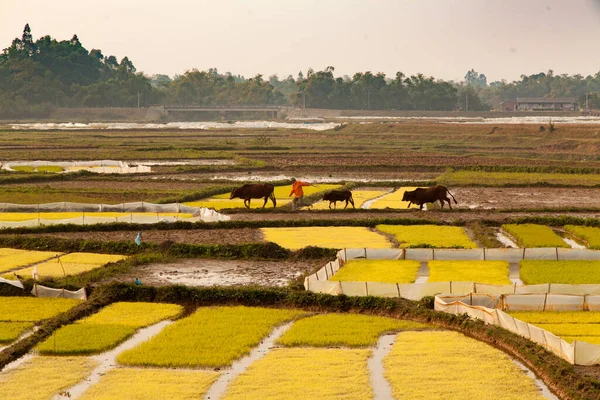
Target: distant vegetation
[(38, 76)]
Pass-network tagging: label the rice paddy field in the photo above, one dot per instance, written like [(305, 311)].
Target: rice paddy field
[(502, 175)]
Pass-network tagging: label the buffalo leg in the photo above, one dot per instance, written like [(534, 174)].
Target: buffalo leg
[(421, 206), (247, 203), (265, 203), (442, 203), (351, 200)]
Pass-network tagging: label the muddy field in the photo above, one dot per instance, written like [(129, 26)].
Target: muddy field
[(203, 272)]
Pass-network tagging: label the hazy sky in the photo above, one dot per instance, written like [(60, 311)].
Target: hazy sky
[(442, 38)]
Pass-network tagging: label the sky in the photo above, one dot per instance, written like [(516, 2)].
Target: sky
[(442, 38)]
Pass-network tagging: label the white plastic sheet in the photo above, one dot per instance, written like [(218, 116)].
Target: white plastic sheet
[(43, 291)]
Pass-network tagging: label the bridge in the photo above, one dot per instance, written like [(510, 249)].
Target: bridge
[(165, 110)]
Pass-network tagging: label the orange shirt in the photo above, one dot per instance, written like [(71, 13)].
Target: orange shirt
[(297, 188)]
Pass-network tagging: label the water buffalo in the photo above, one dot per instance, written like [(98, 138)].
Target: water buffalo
[(431, 194), (255, 191), (339, 195)]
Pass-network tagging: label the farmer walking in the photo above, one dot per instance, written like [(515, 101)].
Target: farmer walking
[(298, 193)]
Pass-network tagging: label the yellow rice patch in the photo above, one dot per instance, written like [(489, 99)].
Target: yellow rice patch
[(389, 271), (469, 367), (305, 373), (335, 237), (359, 197), (44, 377), (393, 200), (32, 309), (151, 384), (19, 217), (490, 272), (429, 236), (21, 258)]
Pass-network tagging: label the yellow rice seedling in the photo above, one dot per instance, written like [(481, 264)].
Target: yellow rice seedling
[(211, 337), (335, 237), (107, 328), (19, 217), (569, 272), (10, 331), (221, 204), (588, 234), (27, 257), (394, 200), (558, 317), (391, 271), (221, 201), (491, 272), (474, 370), (50, 168), (31, 309), (133, 314), (5, 251), (91, 258), (429, 236), (77, 339), (350, 330), (588, 339), (532, 235), (44, 377), (151, 384), (572, 329), (55, 269), (359, 197), (305, 374)]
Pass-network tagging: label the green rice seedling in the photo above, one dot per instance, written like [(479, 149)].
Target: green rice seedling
[(491, 272), (591, 236), (575, 272), (76, 339), (391, 271), (350, 330), (10, 331), (24, 168), (44, 377), (532, 235), (151, 384), (305, 374), (414, 371), (31, 309), (429, 236), (211, 337)]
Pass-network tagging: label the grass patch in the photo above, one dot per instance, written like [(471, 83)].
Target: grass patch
[(44, 377), (429, 236), (390, 271), (410, 369), (574, 272), (233, 332), (532, 235), (348, 330), (151, 384), (305, 373), (591, 236), (490, 272), (328, 237)]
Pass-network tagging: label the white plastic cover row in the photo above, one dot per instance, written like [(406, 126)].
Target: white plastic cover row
[(319, 282), (100, 166), (43, 291), (578, 353)]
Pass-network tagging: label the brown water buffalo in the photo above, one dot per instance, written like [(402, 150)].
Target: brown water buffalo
[(255, 191), (339, 195), (431, 194)]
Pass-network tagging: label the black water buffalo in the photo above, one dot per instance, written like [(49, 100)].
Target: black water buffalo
[(255, 191), (431, 194), (339, 195)]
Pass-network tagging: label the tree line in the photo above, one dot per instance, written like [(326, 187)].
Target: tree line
[(38, 76)]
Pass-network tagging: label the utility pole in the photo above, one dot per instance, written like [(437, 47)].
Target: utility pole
[(587, 106), (138, 99), (368, 98), (466, 102), (303, 100)]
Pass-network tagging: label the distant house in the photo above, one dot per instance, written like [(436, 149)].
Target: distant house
[(508, 105), (546, 104)]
